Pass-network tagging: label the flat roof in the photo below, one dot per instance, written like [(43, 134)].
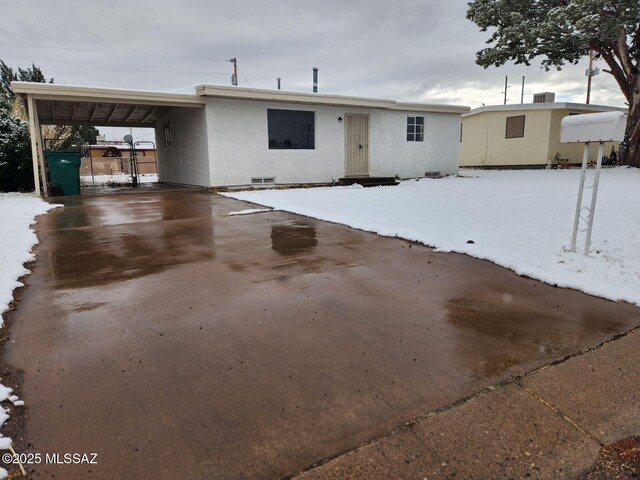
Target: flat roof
[(242, 93), (59, 104), (547, 106)]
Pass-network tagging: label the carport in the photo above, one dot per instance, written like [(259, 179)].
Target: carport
[(53, 104)]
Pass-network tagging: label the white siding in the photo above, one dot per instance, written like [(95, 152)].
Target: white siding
[(187, 160), (238, 144)]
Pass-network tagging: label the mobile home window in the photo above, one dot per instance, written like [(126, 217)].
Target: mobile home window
[(167, 134), (415, 129), (291, 129), (515, 127)]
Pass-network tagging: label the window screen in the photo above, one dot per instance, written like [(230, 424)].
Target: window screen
[(515, 127), (291, 129), (415, 129)]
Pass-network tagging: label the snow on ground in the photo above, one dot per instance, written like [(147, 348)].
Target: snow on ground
[(118, 178), (17, 213), (521, 220), (249, 211)]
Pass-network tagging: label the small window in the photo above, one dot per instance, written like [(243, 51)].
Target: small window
[(461, 133), (515, 127), (291, 129), (168, 140), (415, 129)]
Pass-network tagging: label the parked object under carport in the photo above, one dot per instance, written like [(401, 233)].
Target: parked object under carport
[(64, 172)]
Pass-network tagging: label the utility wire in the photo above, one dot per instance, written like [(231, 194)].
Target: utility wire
[(122, 69), (244, 78), (110, 51)]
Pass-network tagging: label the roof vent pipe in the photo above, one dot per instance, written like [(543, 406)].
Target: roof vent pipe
[(315, 79)]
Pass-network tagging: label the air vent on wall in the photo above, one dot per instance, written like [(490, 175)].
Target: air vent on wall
[(262, 180), (432, 174)]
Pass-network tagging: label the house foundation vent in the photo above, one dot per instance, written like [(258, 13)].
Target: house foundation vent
[(263, 180), (433, 174)]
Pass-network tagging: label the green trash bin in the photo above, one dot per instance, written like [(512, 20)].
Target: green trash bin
[(64, 172)]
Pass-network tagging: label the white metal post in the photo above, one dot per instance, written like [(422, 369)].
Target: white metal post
[(31, 107), (35, 132), (576, 221), (594, 195)]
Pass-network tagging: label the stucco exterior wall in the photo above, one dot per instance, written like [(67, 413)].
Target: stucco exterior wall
[(186, 161), (238, 144), (391, 154), (484, 143)]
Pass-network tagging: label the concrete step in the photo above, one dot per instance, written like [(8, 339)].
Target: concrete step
[(368, 181)]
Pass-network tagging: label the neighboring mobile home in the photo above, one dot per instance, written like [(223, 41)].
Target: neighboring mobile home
[(522, 136), (229, 136)]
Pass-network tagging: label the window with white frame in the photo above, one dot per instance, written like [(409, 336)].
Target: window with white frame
[(415, 129)]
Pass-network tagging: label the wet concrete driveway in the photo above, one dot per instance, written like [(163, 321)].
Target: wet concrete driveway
[(178, 342)]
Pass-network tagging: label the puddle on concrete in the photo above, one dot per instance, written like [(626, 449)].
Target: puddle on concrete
[(519, 329), (108, 251), (298, 237)]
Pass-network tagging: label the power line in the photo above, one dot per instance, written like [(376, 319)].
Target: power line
[(244, 78), (110, 51), (607, 88), (121, 69)]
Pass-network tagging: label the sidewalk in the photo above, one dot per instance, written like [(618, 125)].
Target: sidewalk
[(550, 423)]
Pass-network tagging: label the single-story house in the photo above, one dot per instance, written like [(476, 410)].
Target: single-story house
[(522, 136), (220, 136)]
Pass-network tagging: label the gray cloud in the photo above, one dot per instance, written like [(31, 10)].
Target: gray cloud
[(421, 50)]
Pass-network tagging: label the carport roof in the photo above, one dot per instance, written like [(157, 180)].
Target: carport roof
[(72, 105)]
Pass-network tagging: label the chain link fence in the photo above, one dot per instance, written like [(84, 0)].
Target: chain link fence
[(111, 163)]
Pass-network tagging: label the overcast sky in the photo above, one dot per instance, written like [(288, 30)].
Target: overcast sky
[(415, 50)]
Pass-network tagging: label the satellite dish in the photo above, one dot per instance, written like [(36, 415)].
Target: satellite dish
[(128, 139)]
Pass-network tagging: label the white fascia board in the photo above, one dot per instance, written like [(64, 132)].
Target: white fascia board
[(240, 93), (53, 91)]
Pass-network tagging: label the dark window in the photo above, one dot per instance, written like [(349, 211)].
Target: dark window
[(415, 129), (461, 133), (515, 127), (168, 140), (291, 129)]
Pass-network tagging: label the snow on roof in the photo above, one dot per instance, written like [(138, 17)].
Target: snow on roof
[(547, 106), (593, 127)]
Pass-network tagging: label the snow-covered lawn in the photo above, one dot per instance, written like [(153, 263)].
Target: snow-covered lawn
[(521, 220), (118, 178), (17, 213)]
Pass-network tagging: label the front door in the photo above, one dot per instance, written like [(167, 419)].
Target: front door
[(356, 134)]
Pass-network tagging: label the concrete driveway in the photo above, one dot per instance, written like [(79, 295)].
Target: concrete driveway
[(178, 342)]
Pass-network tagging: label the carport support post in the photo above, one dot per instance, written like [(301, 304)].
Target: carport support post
[(36, 147), (576, 221), (594, 195)]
